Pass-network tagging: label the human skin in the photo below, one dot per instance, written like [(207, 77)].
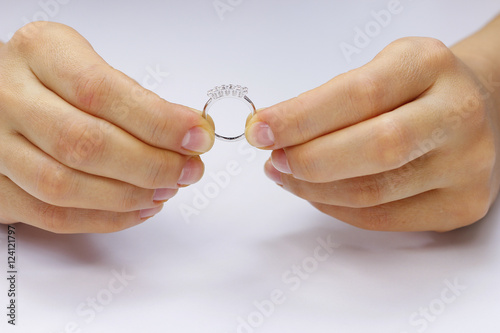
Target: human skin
[(408, 142), (84, 147)]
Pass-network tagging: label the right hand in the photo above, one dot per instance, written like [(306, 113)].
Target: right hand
[(84, 148)]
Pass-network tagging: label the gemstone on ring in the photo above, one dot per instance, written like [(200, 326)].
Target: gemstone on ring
[(227, 90)]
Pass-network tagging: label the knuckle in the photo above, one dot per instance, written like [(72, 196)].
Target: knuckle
[(477, 206), (132, 96), (115, 222), (289, 117), (482, 207), (390, 145), (299, 120), (157, 124), (53, 218), (426, 49), (421, 56), (485, 157), (304, 164), (375, 218), (8, 97), (406, 44), (298, 189), (80, 143), (364, 192), (93, 88), (130, 199), (437, 52), (489, 157), (160, 171), (53, 183), (473, 109), (29, 37), (155, 175), (413, 43), (158, 127), (365, 92), (482, 158), (396, 182)]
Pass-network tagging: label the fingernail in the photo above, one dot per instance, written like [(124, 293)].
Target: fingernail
[(273, 174), (280, 162), (260, 135), (191, 173), (197, 140), (163, 194), (147, 213)]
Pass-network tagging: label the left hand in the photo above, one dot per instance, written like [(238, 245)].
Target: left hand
[(407, 142)]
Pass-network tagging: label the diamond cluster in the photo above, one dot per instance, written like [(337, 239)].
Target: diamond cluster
[(230, 90)]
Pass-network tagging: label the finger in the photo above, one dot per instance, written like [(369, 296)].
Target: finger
[(422, 175), (18, 206), (398, 75), (49, 181), (66, 63), (437, 210), (96, 147), (377, 145)]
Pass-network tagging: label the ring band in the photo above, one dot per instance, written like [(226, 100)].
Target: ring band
[(228, 91)]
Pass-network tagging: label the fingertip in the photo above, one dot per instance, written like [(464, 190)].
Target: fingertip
[(272, 173), (259, 134), (146, 214), (280, 161), (192, 172), (162, 195), (253, 117), (198, 140), (200, 137)]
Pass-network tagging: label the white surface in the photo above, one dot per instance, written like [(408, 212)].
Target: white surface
[(201, 276)]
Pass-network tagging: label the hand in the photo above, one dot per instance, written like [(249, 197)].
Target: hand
[(84, 147), (407, 142)]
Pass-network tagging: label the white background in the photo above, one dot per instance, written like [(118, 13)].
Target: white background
[(201, 274)]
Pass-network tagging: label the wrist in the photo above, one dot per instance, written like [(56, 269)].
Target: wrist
[(486, 70), (481, 53)]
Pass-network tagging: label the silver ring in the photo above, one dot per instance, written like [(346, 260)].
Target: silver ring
[(228, 91)]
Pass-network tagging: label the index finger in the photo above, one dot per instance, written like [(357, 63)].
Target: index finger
[(399, 74), (68, 65)]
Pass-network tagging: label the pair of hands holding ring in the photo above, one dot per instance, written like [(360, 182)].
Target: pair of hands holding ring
[(407, 142)]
